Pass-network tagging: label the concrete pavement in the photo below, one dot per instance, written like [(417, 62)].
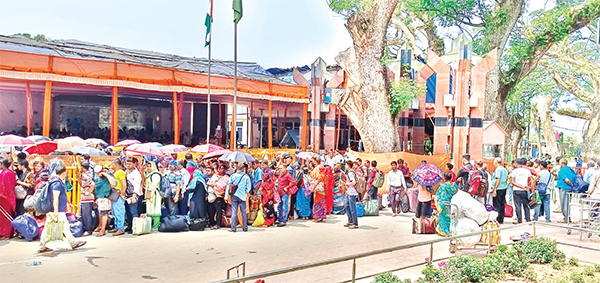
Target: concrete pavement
[(205, 256)]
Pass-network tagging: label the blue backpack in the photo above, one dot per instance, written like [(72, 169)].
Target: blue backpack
[(579, 185), (44, 203), (165, 186)]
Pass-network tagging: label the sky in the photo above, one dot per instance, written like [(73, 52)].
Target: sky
[(272, 33)]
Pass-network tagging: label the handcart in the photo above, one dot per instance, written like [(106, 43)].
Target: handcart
[(589, 215), (455, 245), (574, 201)]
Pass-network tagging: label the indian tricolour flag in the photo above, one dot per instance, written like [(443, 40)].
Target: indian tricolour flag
[(207, 23)]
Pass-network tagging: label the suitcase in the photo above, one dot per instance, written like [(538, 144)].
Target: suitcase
[(26, 226), (413, 198), (426, 226), (141, 225), (173, 223), (198, 224)]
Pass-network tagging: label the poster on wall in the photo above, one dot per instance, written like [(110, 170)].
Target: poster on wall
[(128, 118), (76, 117)]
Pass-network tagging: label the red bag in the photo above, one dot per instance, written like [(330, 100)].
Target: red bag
[(508, 211), (424, 226)]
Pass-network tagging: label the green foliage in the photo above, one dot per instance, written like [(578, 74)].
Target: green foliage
[(539, 250), (450, 12), (577, 278), (574, 261), (402, 93), (557, 264), (349, 7), (561, 257), (387, 277), (39, 37), (588, 271), (597, 267), (530, 275)]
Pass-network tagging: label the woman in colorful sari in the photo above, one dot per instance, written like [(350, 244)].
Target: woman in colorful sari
[(318, 188), (339, 192), (329, 186), (267, 191), (444, 194), (8, 180), (40, 173), (153, 199), (303, 196), (197, 188)]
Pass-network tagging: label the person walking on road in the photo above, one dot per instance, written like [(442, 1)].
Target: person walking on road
[(396, 187)]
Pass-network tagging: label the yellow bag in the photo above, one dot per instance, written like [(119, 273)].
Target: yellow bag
[(260, 220), (494, 237)]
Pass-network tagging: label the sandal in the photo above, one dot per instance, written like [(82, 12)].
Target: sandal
[(44, 249), (347, 224), (78, 244), (101, 234)]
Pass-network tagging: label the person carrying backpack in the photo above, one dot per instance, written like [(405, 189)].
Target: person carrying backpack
[(376, 180), (465, 172)]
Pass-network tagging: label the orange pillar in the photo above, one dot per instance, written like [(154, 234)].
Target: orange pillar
[(232, 139), (304, 124), (175, 118), (28, 107), (270, 125), (47, 108), (114, 120)]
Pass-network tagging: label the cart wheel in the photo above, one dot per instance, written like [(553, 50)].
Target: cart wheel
[(568, 231), (452, 248)]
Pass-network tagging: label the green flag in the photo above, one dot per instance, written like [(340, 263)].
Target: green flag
[(237, 11), (207, 23)]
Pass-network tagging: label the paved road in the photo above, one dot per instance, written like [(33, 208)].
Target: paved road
[(205, 256)]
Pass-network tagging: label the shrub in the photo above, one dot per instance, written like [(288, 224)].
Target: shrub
[(574, 261), (556, 264), (530, 275), (577, 278), (539, 250), (588, 271), (597, 267), (387, 277), (560, 256)]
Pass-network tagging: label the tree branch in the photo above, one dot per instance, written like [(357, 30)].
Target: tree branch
[(570, 84), (574, 113)]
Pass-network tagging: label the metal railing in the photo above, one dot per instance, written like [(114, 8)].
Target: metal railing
[(430, 243)]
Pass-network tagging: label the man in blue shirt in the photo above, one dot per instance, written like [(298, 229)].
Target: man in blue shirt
[(257, 176), (544, 181), (238, 198), (500, 180), (59, 199), (564, 183)]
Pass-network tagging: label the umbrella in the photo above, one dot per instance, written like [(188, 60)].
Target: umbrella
[(206, 148), (306, 155), (157, 144), (38, 138), (13, 140), (216, 153), (174, 148), (70, 142), (94, 141), (237, 157), (42, 148), (427, 175), (87, 150), (144, 149), (127, 142)]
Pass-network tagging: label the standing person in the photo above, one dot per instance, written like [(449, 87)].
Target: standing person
[(424, 204), (565, 178), (60, 200), (286, 185), (87, 198), (132, 202), (594, 188), (118, 206), (555, 170), (8, 180), (329, 186), (175, 182), (443, 196), (449, 168), (351, 196), (587, 176), (303, 196), (403, 167), (39, 169), (238, 188), (197, 187), (318, 188), (520, 178), (544, 181), (372, 190), (267, 191), (103, 181), (189, 160), (184, 194), (152, 196), (463, 173), (500, 184), (218, 183), (361, 179), (257, 177), (396, 187), (482, 197), (24, 185)]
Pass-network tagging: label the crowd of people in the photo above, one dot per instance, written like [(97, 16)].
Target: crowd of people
[(271, 193)]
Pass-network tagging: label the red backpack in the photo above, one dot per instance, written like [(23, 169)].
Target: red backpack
[(478, 184)]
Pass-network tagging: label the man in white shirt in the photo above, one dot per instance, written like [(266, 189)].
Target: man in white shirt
[(134, 197), (594, 189), (520, 178), (395, 188), (589, 171)]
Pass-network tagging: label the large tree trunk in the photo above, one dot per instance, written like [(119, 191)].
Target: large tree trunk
[(367, 104), (590, 149), (543, 108)]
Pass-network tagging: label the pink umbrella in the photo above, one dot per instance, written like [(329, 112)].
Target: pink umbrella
[(127, 142), (70, 142), (173, 148), (12, 140), (216, 154), (206, 148), (144, 149)]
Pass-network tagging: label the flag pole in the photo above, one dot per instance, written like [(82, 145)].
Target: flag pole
[(209, 65), (233, 117)]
